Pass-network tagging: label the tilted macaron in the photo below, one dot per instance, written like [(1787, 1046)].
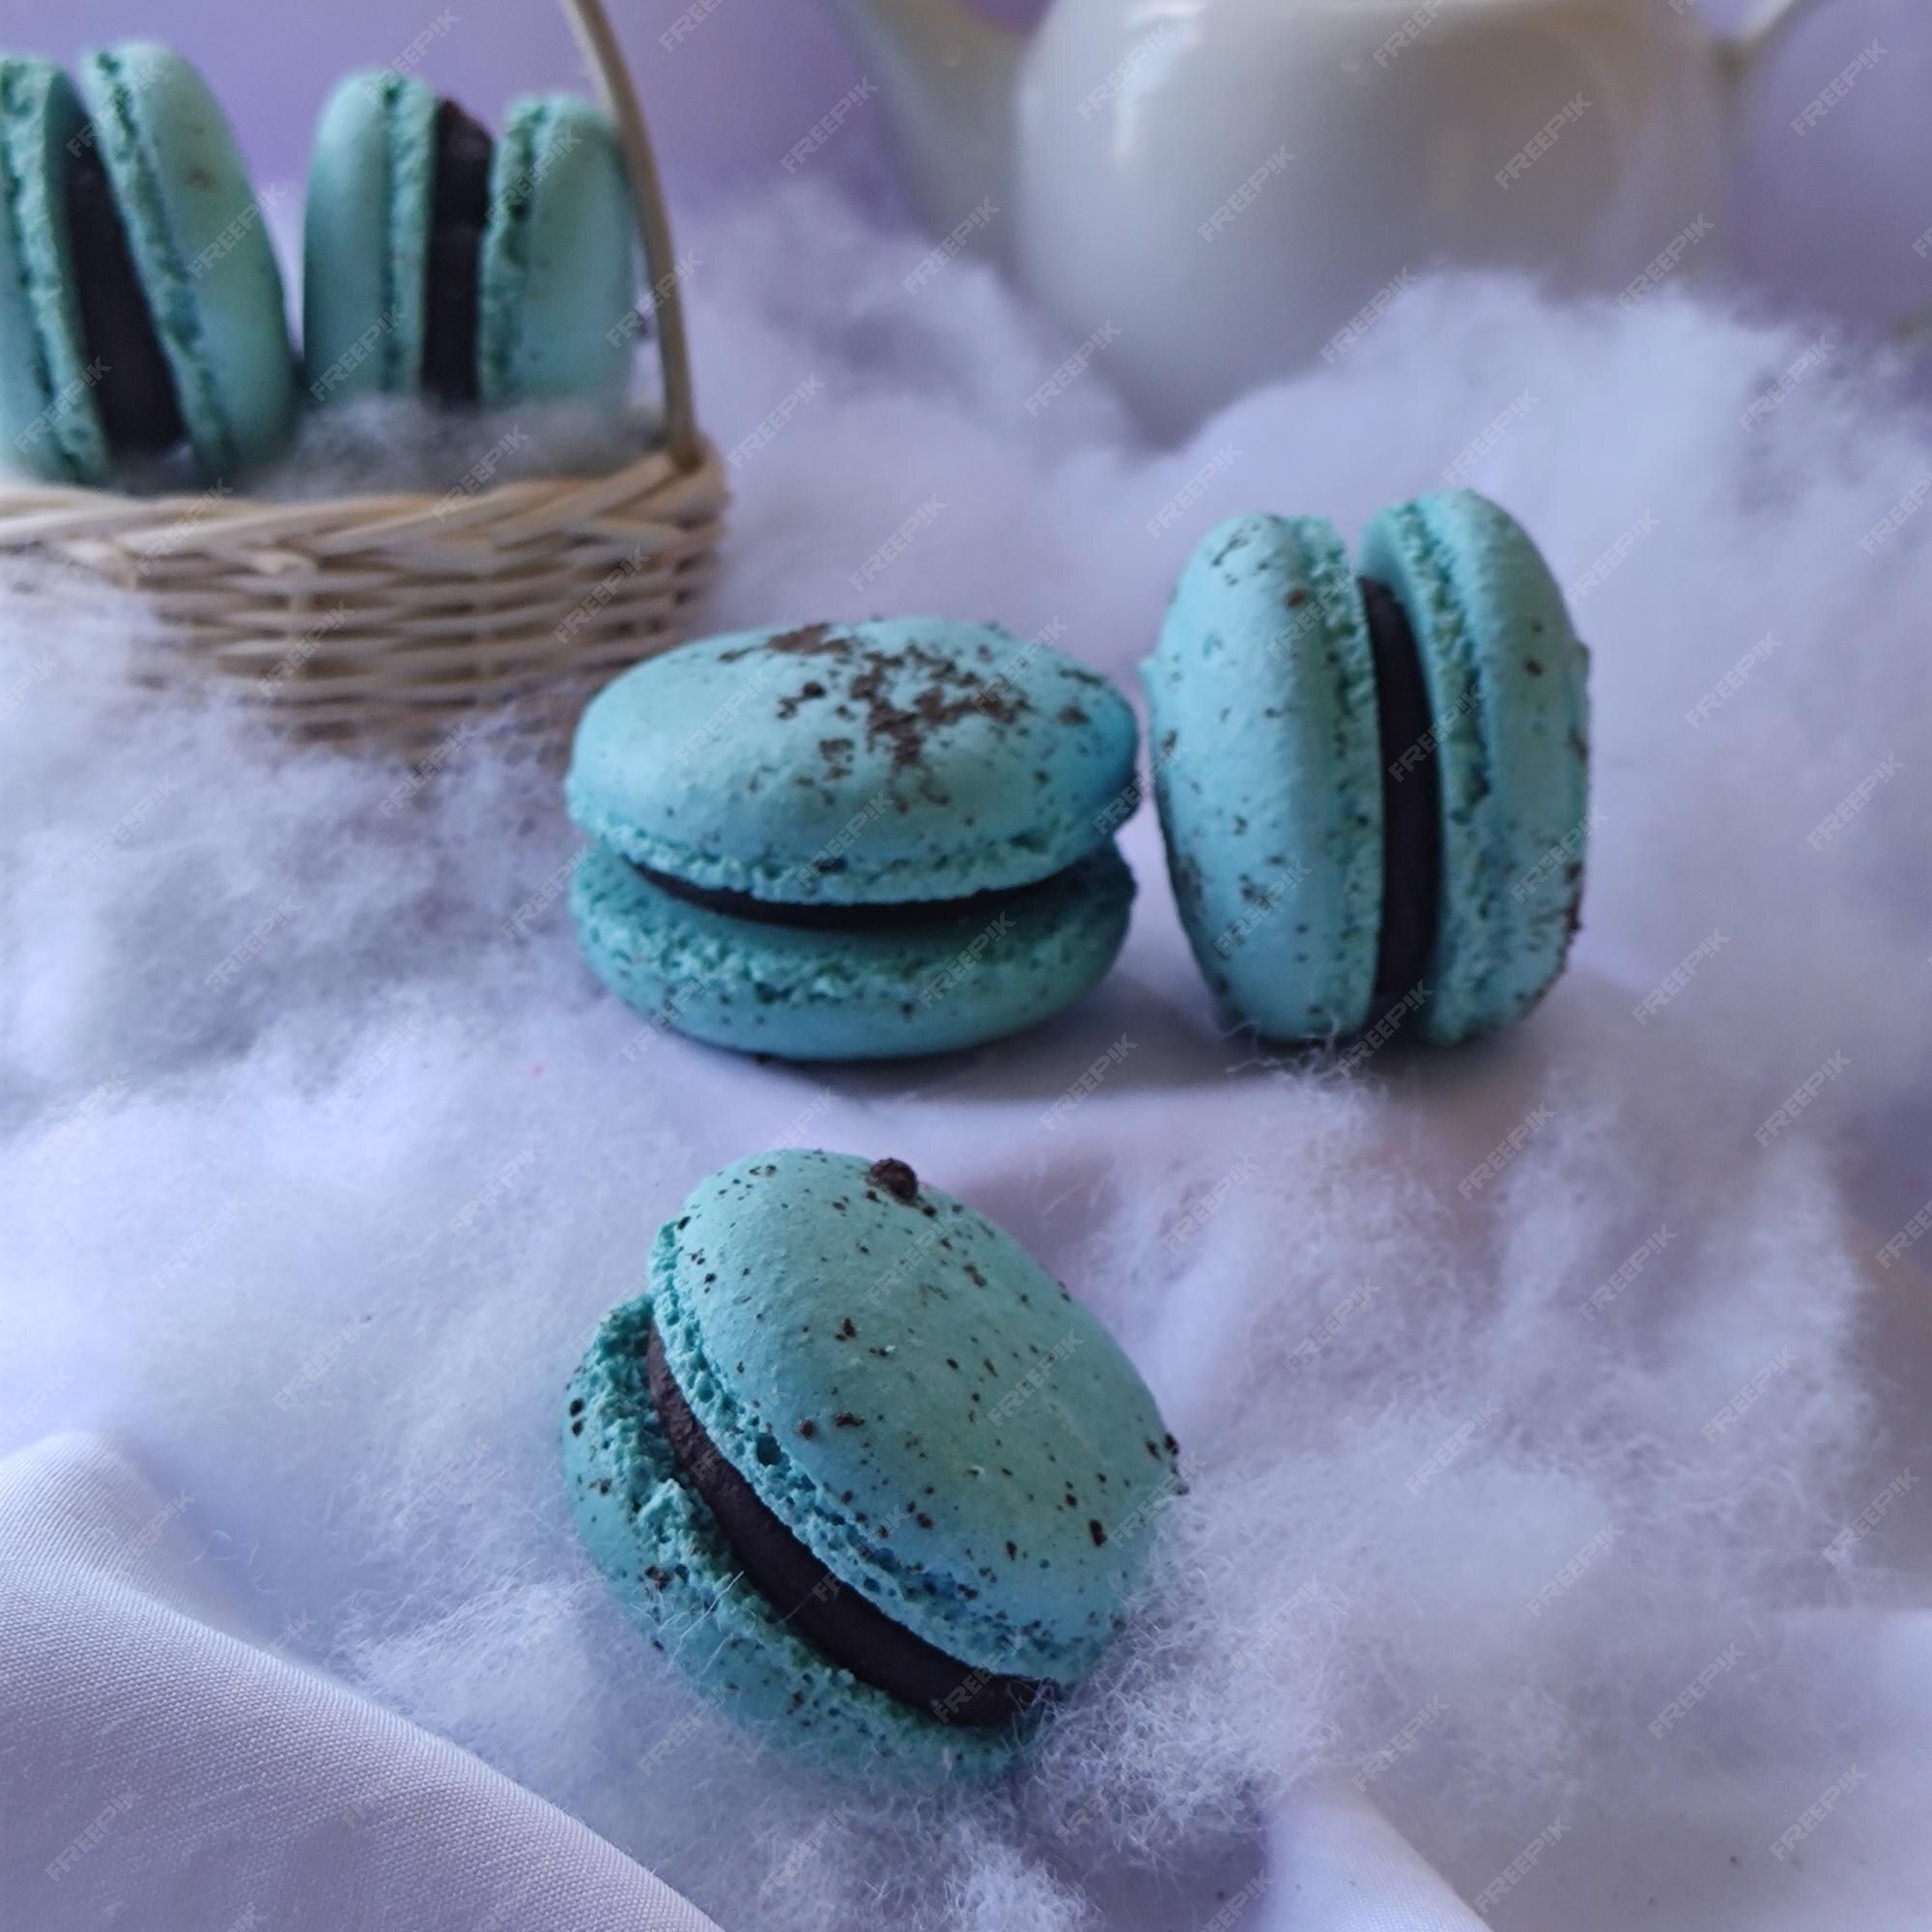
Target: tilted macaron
[(1373, 779), (852, 841), (473, 271), (140, 304), (872, 1479)]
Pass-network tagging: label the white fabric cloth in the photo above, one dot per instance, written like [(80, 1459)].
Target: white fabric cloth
[(1346, 1868), (162, 1766)]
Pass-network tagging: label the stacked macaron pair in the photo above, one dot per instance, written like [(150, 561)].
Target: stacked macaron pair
[(853, 842), (875, 839), (142, 315)]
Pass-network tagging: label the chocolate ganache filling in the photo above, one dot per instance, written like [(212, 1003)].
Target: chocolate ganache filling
[(865, 916), (459, 213), (1411, 802), (133, 385), (833, 1618)]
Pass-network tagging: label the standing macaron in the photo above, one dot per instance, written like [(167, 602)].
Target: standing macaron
[(473, 271), (868, 1474), (140, 305), (853, 842), (1373, 779)]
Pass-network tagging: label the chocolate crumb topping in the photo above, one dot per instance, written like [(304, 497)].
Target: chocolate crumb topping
[(808, 640), (954, 692), (862, 678), (896, 1177)]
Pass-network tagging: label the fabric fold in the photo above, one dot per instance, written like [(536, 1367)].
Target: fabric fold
[(160, 1767)]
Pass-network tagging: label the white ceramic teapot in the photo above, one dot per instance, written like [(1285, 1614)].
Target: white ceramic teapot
[(1221, 190)]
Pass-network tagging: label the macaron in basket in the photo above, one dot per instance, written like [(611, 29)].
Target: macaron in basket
[(146, 376)]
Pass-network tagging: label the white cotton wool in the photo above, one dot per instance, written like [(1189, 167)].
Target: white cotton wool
[(1514, 1384), (378, 445)]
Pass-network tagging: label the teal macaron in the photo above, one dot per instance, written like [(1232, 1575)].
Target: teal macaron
[(1373, 776), (140, 304), (854, 842), (436, 260), (867, 1473)]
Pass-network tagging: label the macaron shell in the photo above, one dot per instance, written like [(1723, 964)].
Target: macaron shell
[(49, 418), (921, 1404), (909, 759), (658, 1548), (1506, 676), (848, 995), (555, 280), (200, 246), (365, 235), (1268, 773)]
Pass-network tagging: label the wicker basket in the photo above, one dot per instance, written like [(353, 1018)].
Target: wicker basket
[(403, 617)]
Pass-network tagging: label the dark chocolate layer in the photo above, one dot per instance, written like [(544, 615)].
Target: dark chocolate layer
[(133, 387), (823, 915), (459, 211), (836, 1620), (1412, 801)]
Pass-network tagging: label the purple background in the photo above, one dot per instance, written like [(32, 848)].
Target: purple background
[(1826, 221)]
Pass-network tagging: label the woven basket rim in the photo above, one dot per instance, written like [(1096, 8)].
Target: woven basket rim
[(216, 512)]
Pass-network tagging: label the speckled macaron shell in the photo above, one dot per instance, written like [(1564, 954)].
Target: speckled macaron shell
[(908, 760), (199, 241), (49, 421), (1262, 717), (1506, 675), (918, 1401), (555, 273), (921, 1403), (804, 994), (365, 237), (673, 1575)]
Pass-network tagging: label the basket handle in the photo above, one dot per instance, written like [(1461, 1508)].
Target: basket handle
[(620, 100)]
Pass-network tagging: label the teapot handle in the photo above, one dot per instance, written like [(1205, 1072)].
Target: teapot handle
[(1743, 50)]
